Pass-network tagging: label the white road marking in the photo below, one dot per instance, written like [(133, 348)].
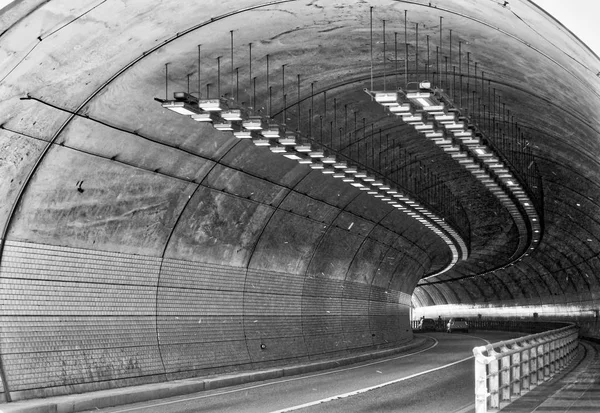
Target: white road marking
[(146, 405), (378, 386), (366, 389)]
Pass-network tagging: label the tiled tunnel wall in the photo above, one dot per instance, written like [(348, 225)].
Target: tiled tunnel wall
[(76, 320)]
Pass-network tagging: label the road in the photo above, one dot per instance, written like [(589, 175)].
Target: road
[(435, 378)]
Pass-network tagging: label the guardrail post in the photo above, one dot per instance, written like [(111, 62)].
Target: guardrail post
[(494, 379), (481, 377), (546, 360), (520, 365), (533, 364), (505, 374), (553, 356), (525, 372), (540, 361), (517, 371)]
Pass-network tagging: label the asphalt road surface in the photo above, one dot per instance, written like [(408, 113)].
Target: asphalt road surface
[(435, 378)]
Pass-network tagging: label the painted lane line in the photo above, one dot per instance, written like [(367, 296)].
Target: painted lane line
[(332, 371), (366, 389)]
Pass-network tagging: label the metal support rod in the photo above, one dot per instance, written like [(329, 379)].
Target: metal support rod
[(405, 49), (312, 107), (427, 66), (268, 90), (237, 84), (166, 81), (250, 72), (283, 94), (270, 101), (219, 77), (446, 70), (231, 95), (384, 63), (437, 65), (254, 93), (417, 52), (468, 77), (460, 74), (199, 84), (371, 33), (396, 58), (335, 112), (450, 53), (298, 123)]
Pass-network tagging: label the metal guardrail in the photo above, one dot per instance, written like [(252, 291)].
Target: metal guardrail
[(524, 326), (506, 370)]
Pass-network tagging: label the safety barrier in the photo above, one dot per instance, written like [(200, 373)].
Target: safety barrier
[(523, 326), (506, 370)]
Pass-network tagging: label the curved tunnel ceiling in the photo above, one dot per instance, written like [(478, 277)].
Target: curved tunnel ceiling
[(91, 160)]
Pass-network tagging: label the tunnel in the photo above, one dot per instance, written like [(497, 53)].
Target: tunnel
[(425, 158)]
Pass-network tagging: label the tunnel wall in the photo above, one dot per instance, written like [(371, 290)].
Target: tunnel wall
[(78, 320), (584, 313)]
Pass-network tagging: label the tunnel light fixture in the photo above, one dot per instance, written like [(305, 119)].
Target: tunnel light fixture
[(272, 131), (424, 99), (254, 123), (205, 117), (348, 178), (387, 98), (340, 165), (226, 125), (328, 160), (317, 154), (304, 159), (445, 118), (327, 170), (339, 174), (316, 165), (399, 109), (304, 147), (212, 105), (424, 126), (261, 142), (232, 114), (290, 154), (277, 149), (243, 134), (181, 107), (288, 139), (411, 119)]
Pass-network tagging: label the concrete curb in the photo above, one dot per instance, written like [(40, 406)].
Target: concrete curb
[(126, 395)]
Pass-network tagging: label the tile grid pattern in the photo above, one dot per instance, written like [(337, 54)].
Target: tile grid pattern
[(74, 317)]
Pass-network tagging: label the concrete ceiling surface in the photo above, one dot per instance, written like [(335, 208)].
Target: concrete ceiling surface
[(89, 159)]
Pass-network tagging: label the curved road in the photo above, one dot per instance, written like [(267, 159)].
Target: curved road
[(435, 378)]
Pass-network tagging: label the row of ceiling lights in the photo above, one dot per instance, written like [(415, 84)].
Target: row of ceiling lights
[(266, 133), (428, 114)]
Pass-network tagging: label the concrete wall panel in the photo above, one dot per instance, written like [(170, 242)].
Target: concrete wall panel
[(134, 217), (218, 228)]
